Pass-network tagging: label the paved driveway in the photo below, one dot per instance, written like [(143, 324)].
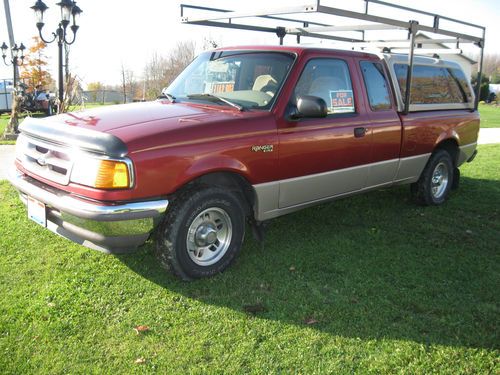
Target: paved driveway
[(489, 135), (6, 159)]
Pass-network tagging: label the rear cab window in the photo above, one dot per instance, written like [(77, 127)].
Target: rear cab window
[(328, 79), (377, 87)]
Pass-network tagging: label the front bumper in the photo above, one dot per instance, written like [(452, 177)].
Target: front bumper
[(105, 227)]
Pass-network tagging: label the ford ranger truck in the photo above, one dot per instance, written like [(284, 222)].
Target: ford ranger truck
[(244, 133)]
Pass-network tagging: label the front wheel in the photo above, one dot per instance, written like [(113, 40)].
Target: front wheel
[(435, 182), (202, 233)]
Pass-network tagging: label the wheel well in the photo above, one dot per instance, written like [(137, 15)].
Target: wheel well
[(450, 146), (231, 181)]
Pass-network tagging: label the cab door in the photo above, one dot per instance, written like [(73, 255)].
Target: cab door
[(385, 124), (325, 157)]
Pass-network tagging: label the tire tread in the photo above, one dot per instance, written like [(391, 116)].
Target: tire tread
[(166, 233), (420, 190)]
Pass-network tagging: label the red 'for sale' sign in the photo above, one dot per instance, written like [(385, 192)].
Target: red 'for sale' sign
[(342, 101)]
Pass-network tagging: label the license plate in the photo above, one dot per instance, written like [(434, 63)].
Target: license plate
[(37, 212)]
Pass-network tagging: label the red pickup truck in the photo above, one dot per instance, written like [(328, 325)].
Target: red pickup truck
[(245, 133)]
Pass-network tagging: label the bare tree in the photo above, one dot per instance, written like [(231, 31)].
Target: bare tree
[(124, 85), (131, 83), (153, 75), (73, 94), (491, 67), (160, 71)]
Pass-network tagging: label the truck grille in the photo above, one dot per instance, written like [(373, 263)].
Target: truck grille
[(45, 159)]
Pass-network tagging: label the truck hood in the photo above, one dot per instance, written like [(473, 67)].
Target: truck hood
[(120, 129), (108, 118)]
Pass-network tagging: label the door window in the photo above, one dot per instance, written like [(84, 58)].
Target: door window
[(328, 79)]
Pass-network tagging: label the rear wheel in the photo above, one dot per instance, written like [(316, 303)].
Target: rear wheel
[(435, 182), (202, 233)]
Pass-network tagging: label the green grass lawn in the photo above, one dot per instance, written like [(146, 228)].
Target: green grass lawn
[(369, 284), (490, 116), (4, 120)]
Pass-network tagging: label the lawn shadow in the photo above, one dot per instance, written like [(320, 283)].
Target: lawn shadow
[(372, 266)]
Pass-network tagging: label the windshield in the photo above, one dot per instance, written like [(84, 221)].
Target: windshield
[(244, 79)]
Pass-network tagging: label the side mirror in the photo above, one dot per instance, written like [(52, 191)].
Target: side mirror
[(310, 106)]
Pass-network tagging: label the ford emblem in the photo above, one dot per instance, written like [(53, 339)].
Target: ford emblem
[(41, 161)]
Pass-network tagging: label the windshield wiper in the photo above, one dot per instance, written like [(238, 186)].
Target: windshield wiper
[(166, 95), (219, 98)]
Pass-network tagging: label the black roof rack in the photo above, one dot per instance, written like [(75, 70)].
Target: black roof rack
[(302, 26)]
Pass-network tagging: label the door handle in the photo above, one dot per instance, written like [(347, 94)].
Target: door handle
[(360, 132)]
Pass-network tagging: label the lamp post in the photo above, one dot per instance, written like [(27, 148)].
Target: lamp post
[(17, 58), (69, 13)]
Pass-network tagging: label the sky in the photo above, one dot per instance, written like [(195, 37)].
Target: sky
[(116, 32)]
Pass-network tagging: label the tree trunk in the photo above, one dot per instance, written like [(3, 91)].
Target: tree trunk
[(10, 131)]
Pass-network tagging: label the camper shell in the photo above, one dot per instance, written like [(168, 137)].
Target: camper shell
[(441, 76)]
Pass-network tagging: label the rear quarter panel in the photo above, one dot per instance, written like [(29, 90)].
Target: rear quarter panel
[(422, 131)]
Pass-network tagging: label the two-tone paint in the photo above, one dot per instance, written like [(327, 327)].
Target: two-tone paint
[(307, 161)]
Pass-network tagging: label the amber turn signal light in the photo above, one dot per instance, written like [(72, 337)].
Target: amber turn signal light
[(112, 175)]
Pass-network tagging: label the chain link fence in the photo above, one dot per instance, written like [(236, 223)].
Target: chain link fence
[(107, 96)]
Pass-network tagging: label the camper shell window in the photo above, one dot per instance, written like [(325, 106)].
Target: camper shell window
[(434, 84)]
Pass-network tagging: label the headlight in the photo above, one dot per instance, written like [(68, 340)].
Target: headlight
[(102, 173)]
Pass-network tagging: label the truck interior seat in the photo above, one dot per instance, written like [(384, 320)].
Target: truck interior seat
[(322, 86), (266, 83)]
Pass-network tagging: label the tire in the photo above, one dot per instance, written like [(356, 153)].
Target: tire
[(436, 180), (202, 233)]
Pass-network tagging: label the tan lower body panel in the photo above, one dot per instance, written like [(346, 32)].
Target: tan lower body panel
[(281, 197)]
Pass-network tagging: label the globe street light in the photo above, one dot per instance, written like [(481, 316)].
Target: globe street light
[(16, 60), (70, 13)]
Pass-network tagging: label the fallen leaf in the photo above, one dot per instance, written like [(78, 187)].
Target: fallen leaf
[(309, 321), (140, 361), (292, 268), (141, 329), (265, 286), (51, 304), (468, 231), (254, 309)]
